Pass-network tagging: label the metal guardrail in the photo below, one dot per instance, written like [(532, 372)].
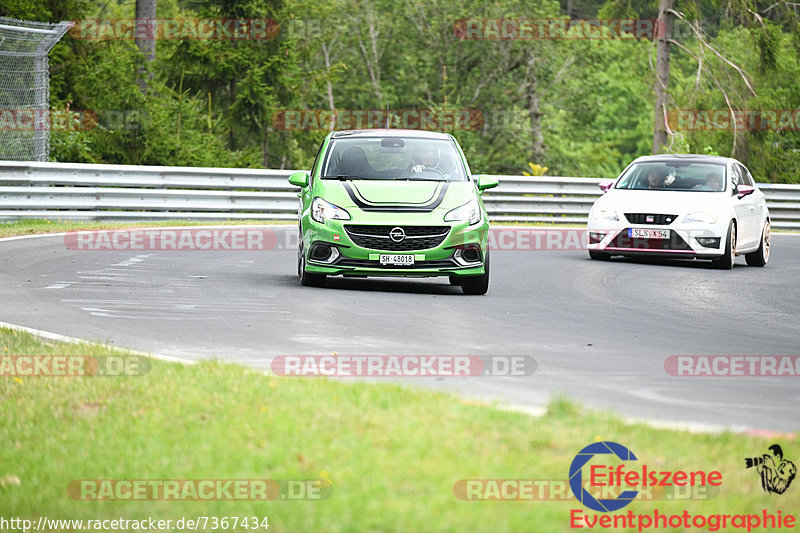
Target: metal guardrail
[(76, 191)]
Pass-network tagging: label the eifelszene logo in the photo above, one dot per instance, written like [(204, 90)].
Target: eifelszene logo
[(616, 478), (776, 472)]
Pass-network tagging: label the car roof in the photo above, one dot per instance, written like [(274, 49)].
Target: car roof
[(390, 133), (695, 158)]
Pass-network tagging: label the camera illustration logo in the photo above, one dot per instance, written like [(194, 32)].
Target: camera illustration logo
[(776, 472), (576, 477)]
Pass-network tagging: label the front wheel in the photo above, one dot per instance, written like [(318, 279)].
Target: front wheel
[(477, 284), (726, 261), (760, 257), (307, 279)]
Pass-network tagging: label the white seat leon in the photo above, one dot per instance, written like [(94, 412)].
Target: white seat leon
[(683, 206)]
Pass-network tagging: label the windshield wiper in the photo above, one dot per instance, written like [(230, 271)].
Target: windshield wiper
[(423, 179), (344, 177)]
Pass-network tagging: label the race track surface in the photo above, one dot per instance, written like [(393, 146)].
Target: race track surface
[(600, 331)]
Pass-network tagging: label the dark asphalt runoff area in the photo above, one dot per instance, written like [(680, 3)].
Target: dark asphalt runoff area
[(600, 332)]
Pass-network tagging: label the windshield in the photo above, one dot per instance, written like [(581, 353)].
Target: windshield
[(394, 158), (674, 176)]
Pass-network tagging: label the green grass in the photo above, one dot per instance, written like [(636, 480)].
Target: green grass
[(392, 453), (37, 226)]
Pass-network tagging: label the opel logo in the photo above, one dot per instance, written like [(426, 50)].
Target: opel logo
[(397, 234)]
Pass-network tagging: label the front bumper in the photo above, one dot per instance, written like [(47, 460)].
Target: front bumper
[(685, 239), (446, 259)]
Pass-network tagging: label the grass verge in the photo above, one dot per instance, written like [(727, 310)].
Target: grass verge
[(391, 453), (37, 226)]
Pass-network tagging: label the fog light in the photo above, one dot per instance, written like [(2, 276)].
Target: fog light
[(471, 255), (708, 242), (322, 253), (467, 256), (594, 238)]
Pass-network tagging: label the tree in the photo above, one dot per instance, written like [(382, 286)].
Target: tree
[(664, 36), (146, 17)]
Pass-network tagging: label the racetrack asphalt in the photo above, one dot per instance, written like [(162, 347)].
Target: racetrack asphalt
[(600, 331)]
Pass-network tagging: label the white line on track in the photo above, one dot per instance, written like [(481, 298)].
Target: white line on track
[(49, 335)]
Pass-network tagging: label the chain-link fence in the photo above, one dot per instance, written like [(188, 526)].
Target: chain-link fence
[(25, 87)]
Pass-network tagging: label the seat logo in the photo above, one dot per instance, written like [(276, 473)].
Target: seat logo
[(397, 234)]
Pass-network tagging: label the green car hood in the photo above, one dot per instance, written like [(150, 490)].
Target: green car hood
[(376, 195)]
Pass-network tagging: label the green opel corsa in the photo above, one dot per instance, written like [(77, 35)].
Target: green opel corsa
[(393, 203)]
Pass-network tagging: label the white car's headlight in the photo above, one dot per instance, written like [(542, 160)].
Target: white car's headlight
[(322, 211), (705, 217), (469, 211), (601, 213)]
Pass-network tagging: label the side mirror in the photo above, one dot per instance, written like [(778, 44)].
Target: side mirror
[(605, 185), (487, 182), (299, 179), (744, 190)]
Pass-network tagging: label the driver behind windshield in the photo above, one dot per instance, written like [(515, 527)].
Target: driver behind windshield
[(424, 158), (713, 183)]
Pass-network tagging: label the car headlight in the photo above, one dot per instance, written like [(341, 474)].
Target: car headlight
[(706, 217), (322, 211), (469, 211), (606, 214)]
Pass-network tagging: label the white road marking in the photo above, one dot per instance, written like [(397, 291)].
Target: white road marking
[(58, 286), (133, 260), (49, 335)]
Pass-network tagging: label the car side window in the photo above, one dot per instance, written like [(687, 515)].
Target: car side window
[(314, 165), (735, 178), (746, 178)]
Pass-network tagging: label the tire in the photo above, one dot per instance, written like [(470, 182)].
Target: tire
[(455, 280), (599, 256), (477, 284), (726, 261), (307, 279), (760, 257)]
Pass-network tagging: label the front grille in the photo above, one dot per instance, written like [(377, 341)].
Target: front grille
[(377, 237), (650, 218), (675, 242)]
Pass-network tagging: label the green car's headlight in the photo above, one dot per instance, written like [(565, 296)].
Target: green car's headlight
[(322, 211), (469, 211)]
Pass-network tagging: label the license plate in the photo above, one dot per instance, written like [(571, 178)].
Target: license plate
[(404, 260), (639, 233)]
